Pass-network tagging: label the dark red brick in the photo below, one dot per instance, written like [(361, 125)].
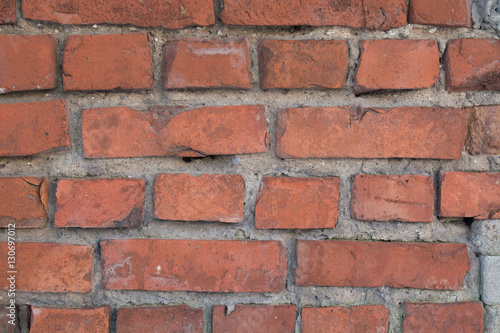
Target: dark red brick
[(174, 131), (208, 63), (193, 265), (484, 130), (70, 320), (32, 128), (7, 11), (396, 65), (292, 64), (378, 264), (108, 62), (297, 203), (24, 202), (27, 62), (356, 132), (446, 13)]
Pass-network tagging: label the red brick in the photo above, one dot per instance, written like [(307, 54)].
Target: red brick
[(396, 65), (27, 62), (405, 198), (297, 203), (9, 319), (206, 197), (50, 267), (378, 264), (254, 318), (108, 62), (69, 320), (356, 132), (7, 11), (32, 128), (174, 131), (371, 14), (193, 265), (177, 318), (446, 13), (338, 319), (99, 203), (484, 130), (172, 14), (472, 64), (207, 63), (443, 317), (291, 64), (24, 202), (471, 195)]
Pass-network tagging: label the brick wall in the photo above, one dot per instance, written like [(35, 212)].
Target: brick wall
[(250, 166)]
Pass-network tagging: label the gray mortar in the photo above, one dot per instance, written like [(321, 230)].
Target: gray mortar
[(252, 168)]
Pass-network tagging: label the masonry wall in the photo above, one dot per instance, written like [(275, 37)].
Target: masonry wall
[(250, 166)]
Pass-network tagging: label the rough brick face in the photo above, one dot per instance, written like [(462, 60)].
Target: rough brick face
[(194, 265), (378, 264), (8, 11), (254, 318), (70, 320), (472, 64), (99, 203), (484, 130), (172, 14), (292, 64), (32, 128), (447, 13), (27, 62), (369, 318), (173, 131), (178, 318), (209, 63), (24, 202), (297, 203), (108, 62), (396, 65), (355, 132), (50, 267), (472, 195), (371, 14), (206, 197), (406, 198), (443, 317)]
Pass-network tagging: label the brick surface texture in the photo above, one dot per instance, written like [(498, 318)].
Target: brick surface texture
[(249, 166)]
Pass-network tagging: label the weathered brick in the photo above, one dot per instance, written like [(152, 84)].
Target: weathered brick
[(378, 264), (356, 132), (7, 11), (471, 195), (9, 319), (177, 318), (292, 64), (371, 14), (193, 265), (172, 14), (27, 62), (32, 128), (207, 197), (484, 130), (472, 64), (396, 65), (254, 318), (446, 13), (404, 198), (99, 203), (207, 63), (174, 131), (338, 319), (69, 320), (297, 203), (108, 62), (490, 283), (50, 267), (443, 317), (24, 202)]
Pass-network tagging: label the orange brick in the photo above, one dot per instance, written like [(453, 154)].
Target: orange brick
[(254, 318), (69, 320)]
